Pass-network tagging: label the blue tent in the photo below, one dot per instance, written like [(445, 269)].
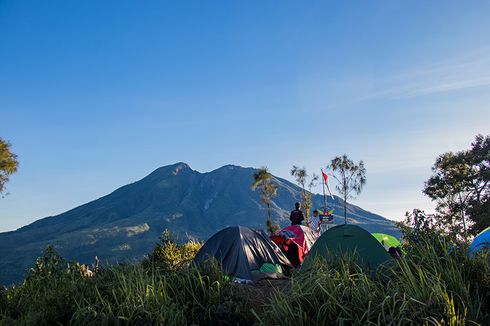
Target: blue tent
[(481, 241)]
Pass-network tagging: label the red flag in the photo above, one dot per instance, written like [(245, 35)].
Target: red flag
[(325, 178)]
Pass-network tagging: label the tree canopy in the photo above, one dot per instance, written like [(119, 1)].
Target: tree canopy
[(351, 178), (460, 186), (8, 163)]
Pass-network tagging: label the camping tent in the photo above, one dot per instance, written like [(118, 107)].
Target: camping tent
[(387, 240), (348, 239), (244, 253), (481, 241), (295, 241)]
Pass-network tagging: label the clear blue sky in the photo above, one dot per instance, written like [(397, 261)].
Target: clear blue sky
[(97, 94)]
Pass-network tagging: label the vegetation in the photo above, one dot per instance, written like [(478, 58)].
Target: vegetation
[(170, 255), (8, 163), (268, 190), (436, 282), (460, 186), (350, 178), (302, 179), (429, 286)]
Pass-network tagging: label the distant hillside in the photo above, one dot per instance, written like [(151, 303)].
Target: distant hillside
[(126, 224)]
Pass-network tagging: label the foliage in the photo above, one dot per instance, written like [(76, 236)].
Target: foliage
[(268, 190), (350, 178), (170, 255), (419, 224), (427, 286), (434, 283), (8, 163), (302, 176), (48, 294), (460, 186), (127, 294)]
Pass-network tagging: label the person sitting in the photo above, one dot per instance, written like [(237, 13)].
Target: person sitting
[(296, 216)]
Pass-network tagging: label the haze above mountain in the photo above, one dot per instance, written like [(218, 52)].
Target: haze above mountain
[(126, 224)]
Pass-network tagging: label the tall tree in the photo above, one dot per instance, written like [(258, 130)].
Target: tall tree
[(350, 178), (268, 190), (8, 163), (460, 186), (302, 178)]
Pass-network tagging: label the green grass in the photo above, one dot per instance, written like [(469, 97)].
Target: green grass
[(435, 284)]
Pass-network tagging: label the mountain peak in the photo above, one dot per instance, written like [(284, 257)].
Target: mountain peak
[(173, 197), (172, 169), (178, 167)]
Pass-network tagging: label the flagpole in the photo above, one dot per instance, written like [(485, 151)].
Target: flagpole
[(324, 199)]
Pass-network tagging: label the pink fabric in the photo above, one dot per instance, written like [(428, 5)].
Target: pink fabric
[(295, 234)]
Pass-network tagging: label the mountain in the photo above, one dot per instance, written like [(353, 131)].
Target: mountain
[(126, 224)]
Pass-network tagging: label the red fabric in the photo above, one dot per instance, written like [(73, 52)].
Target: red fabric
[(325, 177), (292, 233)]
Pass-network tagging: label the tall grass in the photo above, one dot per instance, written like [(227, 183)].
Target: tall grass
[(130, 295), (119, 295), (436, 283)]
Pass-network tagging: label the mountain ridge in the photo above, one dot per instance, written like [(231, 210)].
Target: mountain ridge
[(126, 223)]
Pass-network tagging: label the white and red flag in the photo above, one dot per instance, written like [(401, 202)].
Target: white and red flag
[(325, 179)]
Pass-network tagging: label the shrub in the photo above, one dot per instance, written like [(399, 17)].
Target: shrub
[(48, 294), (170, 255)]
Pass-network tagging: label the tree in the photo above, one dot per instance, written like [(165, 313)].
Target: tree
[(302, 178), (263, 180), (350, 178), (460, 186), (8, 163)]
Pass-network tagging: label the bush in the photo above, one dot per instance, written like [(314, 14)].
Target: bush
[(170, 255), (48, 294)]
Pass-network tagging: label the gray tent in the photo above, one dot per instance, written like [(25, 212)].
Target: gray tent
[(245, 253)]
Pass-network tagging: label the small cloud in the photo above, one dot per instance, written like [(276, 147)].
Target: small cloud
[(455, 74)]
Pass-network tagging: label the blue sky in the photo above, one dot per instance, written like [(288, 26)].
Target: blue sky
[(97, 94)]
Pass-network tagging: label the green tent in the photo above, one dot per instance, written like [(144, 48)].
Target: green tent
[(387, 240), (348, 239)]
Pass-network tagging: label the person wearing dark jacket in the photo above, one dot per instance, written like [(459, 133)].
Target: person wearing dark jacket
[(296, 216)]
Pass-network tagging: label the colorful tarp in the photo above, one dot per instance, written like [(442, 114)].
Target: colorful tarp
[(295, 241), (387, 240)]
